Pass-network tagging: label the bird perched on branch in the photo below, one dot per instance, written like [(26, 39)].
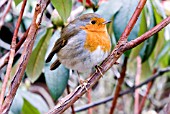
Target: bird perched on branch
[(84, 43)]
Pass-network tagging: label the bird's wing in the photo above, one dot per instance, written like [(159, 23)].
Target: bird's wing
[(58, 45), (66, 34), (55, 65)]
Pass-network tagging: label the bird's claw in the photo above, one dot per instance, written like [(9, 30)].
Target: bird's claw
[(83, 84), (99, 68)]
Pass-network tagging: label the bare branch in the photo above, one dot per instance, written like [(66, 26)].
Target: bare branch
[(28, 45), (18, 45), (137, 81), (147, 35), (147, 92), (130, 90), (72, 106), (132, 21), (12, 53), (118, 87), (5, 13)]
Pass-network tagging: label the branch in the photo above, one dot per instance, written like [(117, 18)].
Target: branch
[(137, 81), (25, 56), (146, 95), (18, 45), (72, 106), (130, 90), (118, 87), (12, 53), (41, 91), (132, 21), (90, 110), (147, 35), (5, 13)]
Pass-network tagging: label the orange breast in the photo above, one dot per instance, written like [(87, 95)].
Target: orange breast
[(97, 38)]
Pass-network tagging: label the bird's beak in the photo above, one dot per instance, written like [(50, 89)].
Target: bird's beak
[(107, 21)]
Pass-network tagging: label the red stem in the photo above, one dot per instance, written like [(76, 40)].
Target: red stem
[(149, 85), (18, 45), (137, 81), (147, 35), (118, 87), (90, 111), (11, 54), (7, 9), (132, 21)]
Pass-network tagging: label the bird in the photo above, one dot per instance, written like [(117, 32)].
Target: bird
[(83, 44)]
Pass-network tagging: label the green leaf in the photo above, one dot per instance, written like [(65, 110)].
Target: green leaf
[(122, 17), (56, 80), (36, 61), (29, 108), (34, 99), (164, 56), (63, 7), (142, 29), (149, 44), (146, 71), (161, 37), (109, 8), (17, 2)]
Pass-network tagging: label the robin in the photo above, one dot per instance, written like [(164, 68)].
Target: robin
[(84, 43)]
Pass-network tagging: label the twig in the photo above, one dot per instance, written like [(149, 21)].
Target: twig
[(25, 56), (166, 109), (130, 90), (118, 87), (18, 45), (147, 92), (2, 3), (147, 35), (5, 13), (41, 91), (90, 111), (12, 53), (132, 21), (22, 63), (107, 64), (137, 81), (72, 106)]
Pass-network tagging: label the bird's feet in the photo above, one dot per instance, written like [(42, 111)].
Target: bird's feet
[(99, 68), (83, 84)]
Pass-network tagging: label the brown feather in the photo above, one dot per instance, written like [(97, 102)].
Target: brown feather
[(55, 65), (58, 45)]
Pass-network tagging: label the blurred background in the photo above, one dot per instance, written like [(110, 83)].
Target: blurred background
[(41, 88)]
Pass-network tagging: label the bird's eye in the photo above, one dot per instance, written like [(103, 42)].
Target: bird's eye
[(93, 22)]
